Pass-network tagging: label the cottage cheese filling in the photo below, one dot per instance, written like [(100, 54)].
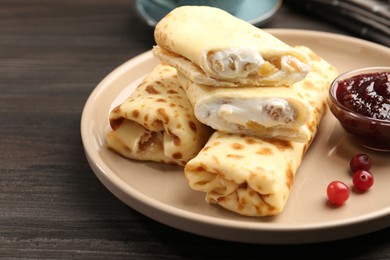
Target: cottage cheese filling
[(269, 112), (235, 62)]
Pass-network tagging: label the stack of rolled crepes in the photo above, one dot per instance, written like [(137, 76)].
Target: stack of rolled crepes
[(262, 98)]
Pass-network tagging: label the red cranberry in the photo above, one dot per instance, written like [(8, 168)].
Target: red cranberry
[(338, 192), (362, 180), (360, 162)]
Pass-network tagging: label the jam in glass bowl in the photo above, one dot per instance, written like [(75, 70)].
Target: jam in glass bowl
[(360, 100)]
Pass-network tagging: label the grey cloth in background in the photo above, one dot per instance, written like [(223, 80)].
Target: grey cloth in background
[(369, 19)]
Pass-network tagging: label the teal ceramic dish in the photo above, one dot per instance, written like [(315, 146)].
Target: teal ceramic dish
[(253, 11)]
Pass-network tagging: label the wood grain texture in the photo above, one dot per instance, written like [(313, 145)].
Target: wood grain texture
[(52, 55)]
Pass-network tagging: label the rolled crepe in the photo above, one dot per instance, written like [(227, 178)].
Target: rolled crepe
[(270, 112), (212, 47), (156, 122), (253, 176)]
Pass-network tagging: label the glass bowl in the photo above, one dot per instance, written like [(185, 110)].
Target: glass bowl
[(369, 131)]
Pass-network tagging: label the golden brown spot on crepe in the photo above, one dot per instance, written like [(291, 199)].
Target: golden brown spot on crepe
[(178, 126), (172, 105), (243, 203), (265, 151), (117, 109), (281, 144), (252, 193), (250, 140), (271, 210), (289, 176), (161, 112), (135, 113), (146, 118), (215, 159), (265, 196), (157, 124), (151, 90), (191, 168), (308, 85), (116, 123), (172, 91), (311, 126), (237, 146), (324, 105), (235, 156), (201, 168), (176, 140), (192, 126), (221, 199), (206, 148), (216, 143), (161, 100), (265, 207), (177, 155)]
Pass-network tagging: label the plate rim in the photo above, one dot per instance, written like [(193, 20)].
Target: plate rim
[(113, 183)]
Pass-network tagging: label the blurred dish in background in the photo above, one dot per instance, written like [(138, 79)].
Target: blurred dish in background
[(253, 11), (368, 19)]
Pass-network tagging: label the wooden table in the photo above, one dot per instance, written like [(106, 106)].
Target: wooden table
[(52, 55)]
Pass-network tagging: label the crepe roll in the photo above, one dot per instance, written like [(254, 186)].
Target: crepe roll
[(156, 122), (253, 176), (270, 112), (212, 47)]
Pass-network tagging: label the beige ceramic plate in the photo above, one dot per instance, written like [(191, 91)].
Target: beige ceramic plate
[(161, 191)]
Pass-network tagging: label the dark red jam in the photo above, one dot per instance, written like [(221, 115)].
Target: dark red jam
[(367, 94)]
